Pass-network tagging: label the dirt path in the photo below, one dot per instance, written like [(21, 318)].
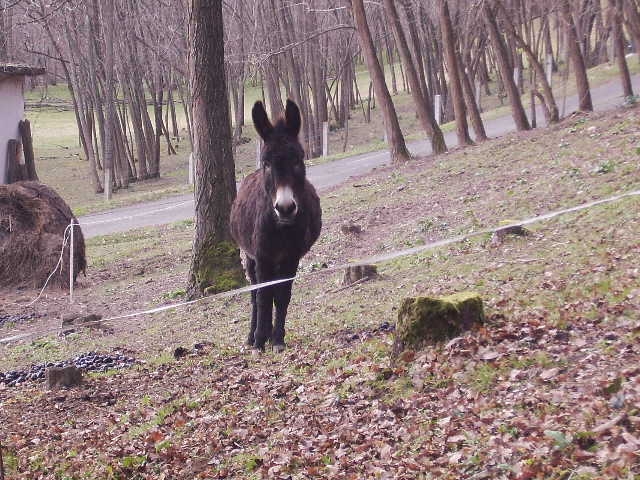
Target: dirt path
[(173, 209)]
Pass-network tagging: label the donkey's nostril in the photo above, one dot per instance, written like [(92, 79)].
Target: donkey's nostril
[(286, 209)]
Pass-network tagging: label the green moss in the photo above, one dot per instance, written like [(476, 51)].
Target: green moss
[(426, 320), (219, 268)]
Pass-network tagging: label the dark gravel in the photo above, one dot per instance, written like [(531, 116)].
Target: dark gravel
[(18, 318), (88, 362)]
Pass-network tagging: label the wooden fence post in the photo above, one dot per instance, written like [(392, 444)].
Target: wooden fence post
[(27, 150), (16, 169)]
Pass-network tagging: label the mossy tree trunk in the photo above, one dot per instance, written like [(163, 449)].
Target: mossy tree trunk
[(215, 263)]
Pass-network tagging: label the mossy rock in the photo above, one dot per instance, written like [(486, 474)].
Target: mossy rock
[(423, 321)]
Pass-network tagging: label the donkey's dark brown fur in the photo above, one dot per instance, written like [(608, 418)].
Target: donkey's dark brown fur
[(275, 220)]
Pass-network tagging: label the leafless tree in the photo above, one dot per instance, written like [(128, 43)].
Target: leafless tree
[(215, 263)]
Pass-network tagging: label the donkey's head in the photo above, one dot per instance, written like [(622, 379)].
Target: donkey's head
[(282, 160)]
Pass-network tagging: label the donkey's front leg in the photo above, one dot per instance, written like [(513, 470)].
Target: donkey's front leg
[(264, 307), (251, 272), (281, 297)]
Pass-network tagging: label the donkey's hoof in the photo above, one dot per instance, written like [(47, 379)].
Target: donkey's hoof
[(279, 347)]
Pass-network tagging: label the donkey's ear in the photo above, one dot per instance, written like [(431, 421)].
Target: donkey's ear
[(261, 121), (292, 118)]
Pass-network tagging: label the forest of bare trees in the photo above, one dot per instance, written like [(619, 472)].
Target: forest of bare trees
[(125, 63)]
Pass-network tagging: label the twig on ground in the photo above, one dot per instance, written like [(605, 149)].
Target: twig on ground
[(524, 260), (610, 424), (357, 282)]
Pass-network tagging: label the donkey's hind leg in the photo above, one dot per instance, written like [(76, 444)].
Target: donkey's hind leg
[(251, 273)]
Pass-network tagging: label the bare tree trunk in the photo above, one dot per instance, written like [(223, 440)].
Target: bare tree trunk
[(215, 264), (472, 105), (549, 99), (412, 22), (423, 105), (633, 23), (397, 147), (110, 120), (455, 85), (4, 50), (615, 14), (506, 71), (577, 59), (390, 58)]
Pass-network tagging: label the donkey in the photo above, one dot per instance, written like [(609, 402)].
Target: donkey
[(275, 219)]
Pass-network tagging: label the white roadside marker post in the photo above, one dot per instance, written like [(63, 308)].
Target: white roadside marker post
[(71, 262), (191, 169), (438, 108), (325, 139)]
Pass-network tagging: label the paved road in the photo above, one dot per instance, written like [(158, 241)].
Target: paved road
[(323, 176)]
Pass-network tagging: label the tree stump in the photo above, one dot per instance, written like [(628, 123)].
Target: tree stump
[(358, 272), (499, 236), (62, 377), (423, 321)]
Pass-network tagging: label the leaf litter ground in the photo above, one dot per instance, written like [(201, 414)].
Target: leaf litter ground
[(550, 388)]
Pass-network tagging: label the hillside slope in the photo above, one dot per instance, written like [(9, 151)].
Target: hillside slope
[(550, 388)]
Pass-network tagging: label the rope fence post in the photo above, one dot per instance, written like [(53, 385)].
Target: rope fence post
[(71, 263)]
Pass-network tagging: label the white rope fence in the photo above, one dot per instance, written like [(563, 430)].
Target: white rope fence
[(65, 237), (370, 260)]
